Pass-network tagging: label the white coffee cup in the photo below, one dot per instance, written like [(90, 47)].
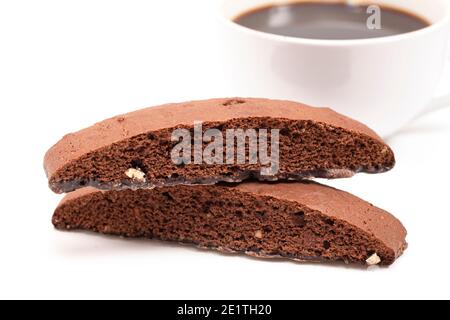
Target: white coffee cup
[(383, 82)]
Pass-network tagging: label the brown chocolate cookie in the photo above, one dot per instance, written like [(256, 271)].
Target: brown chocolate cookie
[(134, 150), (300, 221)]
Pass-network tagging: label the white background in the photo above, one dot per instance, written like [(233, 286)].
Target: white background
[(67, 64)]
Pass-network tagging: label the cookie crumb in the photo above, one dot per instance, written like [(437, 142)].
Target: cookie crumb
[(373, 260), (135, 174)]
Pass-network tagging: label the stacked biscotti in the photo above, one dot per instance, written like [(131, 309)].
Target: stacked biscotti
[(146, 174)]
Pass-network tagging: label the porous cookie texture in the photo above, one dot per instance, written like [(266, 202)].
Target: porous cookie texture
[(134, 150), (301, 221)]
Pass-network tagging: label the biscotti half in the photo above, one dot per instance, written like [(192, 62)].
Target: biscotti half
[(301, 221), (135, 150)]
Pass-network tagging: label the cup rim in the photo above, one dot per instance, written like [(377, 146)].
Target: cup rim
[(443, 23)]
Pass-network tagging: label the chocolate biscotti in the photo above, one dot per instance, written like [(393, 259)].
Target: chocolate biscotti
[(135, 150), (300, 221)]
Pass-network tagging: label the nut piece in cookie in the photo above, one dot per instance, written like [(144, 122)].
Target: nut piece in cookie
[(135, 174), (373, 260)]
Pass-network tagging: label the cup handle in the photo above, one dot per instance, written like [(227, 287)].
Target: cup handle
[(438, 103)]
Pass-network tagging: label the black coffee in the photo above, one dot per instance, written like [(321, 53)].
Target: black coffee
[(330, 21)]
